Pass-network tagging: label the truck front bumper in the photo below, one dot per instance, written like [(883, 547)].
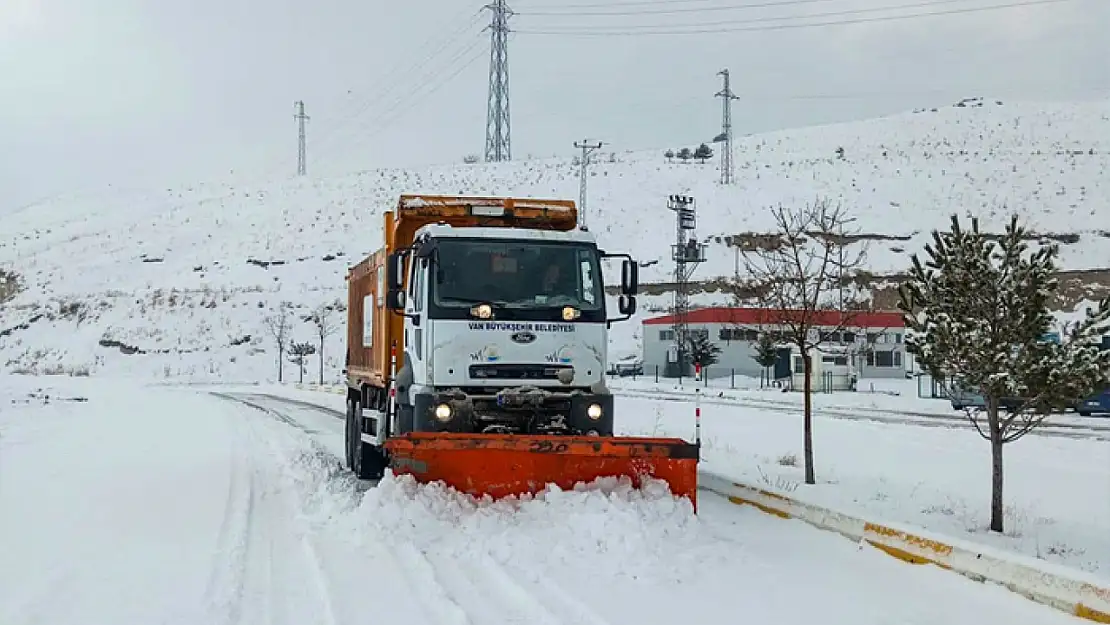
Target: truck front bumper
[(528, 410)]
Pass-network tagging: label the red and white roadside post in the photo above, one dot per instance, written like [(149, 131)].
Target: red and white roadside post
[(697, 405)]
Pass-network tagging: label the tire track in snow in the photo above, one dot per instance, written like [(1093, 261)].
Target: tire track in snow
[(262, 562), (223, 593), (544, 592), (415, 566), (488, 594)]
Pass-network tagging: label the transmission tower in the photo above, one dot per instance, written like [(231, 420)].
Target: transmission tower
[(588, 148), (726, 128), (498, 136), (687, 254), (302, 155)]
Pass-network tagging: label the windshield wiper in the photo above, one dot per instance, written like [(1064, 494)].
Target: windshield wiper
[(473, 300)]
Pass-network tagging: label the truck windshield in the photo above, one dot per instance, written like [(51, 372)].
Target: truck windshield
[(517, 274)]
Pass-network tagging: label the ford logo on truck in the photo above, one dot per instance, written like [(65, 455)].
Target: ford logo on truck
[(523, 337)]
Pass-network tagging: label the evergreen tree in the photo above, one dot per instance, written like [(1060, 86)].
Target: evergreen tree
[(685, 154), (701, 351), (766, 352), (977, 313), (298, 355), (703, 153), (669, 155)]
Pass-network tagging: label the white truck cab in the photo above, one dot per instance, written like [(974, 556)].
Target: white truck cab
[(506, 330)]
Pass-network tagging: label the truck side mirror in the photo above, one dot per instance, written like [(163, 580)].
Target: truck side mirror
[(627, 305), (395, 270), (630, 278), (395, 299)]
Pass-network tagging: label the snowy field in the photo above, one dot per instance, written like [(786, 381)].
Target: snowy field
[(170, 505), (196, 267)]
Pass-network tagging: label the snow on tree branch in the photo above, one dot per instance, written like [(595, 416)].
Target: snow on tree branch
[(977, 318)]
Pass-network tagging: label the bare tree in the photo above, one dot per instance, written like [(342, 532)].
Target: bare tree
[(325, 326), (800, 284), (279, 326)]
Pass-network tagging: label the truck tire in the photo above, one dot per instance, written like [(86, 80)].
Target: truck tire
[(366, 461), (350, 433)]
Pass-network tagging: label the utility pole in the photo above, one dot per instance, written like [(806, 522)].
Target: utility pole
[(687, 254), (587, 148), (302, 155), (726, 127), (498, 135)]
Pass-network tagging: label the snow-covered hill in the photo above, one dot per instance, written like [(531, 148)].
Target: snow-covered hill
[(195, 269)]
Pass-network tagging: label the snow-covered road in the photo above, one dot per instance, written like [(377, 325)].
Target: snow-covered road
[(128, 504)]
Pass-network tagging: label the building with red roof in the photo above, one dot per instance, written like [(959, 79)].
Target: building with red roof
[(870, 345)]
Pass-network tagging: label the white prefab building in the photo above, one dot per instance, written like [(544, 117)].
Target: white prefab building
[(869, 346)]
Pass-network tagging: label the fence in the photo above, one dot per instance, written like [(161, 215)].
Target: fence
[(725, 377)]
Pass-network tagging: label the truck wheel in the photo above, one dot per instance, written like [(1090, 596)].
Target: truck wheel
[(350, 434), (366, 461)]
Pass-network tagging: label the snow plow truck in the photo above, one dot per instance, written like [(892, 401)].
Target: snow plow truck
[(476, 353)]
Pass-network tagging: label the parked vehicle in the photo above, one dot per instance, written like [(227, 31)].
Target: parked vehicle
[(1099, 403)]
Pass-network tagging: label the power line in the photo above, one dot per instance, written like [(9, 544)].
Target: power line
[(607, 5), (432, 76), (442, 81), (577, 32), (741, 7), (379, 97)]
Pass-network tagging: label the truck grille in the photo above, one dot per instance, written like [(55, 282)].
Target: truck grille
[(516, 372)]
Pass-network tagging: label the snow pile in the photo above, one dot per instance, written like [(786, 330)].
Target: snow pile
[(1057, 504)]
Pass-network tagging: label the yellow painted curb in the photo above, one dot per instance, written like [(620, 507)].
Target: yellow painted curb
[(1068, 593)]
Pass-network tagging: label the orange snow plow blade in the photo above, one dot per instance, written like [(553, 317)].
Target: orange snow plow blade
[(500, 465)]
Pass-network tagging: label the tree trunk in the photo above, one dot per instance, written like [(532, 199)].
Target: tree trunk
[(281, 356), (996, 465), (300, 368), (321, 361), (808, 419)]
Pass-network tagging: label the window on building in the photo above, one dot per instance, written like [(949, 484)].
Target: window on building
[(725, 334), (898, 337), (897, 358), (799, 364), (666, 335), (849, 337), (751, 335), (884, 359)]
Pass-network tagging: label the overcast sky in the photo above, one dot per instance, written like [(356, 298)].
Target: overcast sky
[(131, 93)]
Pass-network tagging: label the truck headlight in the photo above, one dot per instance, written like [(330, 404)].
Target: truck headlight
[(594, 412), (482, 311), (570, 313), (443, 413)]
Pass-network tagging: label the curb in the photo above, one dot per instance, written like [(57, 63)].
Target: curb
[(1058, 590), (1065, 593)]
